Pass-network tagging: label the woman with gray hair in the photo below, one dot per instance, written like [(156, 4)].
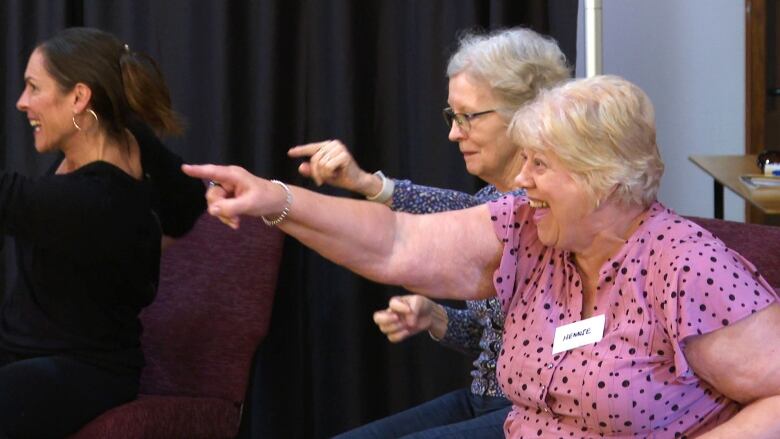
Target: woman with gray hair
[(623, 319), (490, 77)]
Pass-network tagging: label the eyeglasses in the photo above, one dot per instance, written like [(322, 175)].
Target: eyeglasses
[(462, 119)]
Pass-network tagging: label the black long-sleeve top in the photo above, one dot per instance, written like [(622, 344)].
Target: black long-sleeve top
[(87, 248)]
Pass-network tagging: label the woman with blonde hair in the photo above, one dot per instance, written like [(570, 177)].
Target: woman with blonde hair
[(623, 319)]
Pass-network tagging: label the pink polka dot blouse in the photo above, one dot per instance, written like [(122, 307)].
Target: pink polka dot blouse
[(671, 280)]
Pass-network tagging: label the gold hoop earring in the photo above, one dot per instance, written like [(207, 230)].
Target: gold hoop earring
[(90, 111)]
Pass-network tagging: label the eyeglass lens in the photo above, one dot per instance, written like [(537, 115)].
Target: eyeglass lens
[(451, 117)]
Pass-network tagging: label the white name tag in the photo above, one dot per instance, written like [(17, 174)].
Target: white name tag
[(578, 334)]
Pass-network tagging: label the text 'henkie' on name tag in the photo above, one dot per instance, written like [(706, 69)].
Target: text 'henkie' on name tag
[(578, 334)]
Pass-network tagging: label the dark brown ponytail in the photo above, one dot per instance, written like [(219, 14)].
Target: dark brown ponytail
[(125, 85), (147, 93)]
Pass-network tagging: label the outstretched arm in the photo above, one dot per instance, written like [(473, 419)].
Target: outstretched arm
[(330, 162), (445, 255)]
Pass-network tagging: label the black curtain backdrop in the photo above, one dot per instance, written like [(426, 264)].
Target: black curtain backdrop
[(253, 78)]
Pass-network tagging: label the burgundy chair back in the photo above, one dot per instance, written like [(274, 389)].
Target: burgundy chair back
[(212, 309), (759, 244)]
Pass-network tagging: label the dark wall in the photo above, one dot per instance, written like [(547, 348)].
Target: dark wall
[(253, 78)]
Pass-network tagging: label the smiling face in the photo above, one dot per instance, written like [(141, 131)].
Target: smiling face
[(48, 109), (486, 148), (563, 206)]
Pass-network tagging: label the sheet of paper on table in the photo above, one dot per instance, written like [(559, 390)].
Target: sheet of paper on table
[(763, 185)]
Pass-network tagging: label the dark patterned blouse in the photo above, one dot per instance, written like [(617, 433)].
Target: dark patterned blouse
[(477, 328)]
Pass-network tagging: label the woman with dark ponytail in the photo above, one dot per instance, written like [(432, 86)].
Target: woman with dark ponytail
[(88, 233)]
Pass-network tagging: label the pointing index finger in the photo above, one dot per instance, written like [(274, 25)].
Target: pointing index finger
[(307, 150), (217, 173)]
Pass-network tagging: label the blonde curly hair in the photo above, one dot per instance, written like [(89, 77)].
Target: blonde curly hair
[(603, 131)]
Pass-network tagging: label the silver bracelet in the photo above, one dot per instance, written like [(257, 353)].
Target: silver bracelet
[(285, 211), (386, 193)]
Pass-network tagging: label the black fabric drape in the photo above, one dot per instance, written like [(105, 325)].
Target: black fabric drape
[(253, 78)]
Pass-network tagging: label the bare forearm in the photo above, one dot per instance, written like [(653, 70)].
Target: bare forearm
[(760, 419), (368, 185), (356, 234), (439, 322), (447, 256)]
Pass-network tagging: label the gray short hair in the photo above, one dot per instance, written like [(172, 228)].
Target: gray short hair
[(603, 131), (515, 63)]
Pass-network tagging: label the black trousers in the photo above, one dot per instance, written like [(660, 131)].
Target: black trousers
[(54, 396)]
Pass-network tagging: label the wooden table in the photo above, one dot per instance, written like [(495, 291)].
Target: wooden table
[(725, 171)]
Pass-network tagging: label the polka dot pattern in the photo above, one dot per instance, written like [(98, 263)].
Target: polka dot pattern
[(671, 280)]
